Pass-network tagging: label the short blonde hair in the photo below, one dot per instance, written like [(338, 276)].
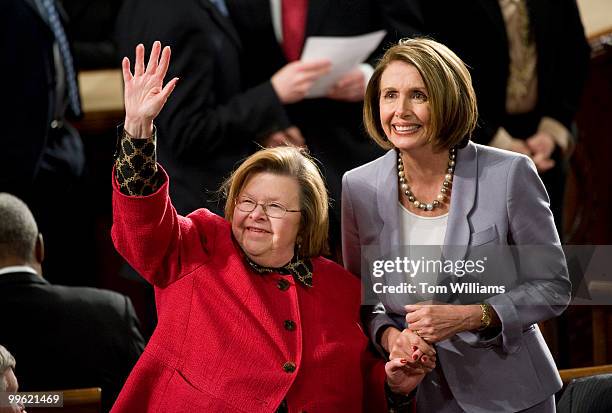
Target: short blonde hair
[(296, 163), (454, 112)]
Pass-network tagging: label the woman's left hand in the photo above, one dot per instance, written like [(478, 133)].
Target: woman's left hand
[(144, 91), (437, 322), (402, 378)]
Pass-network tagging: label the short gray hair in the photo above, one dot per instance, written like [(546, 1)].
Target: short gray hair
[(6, 361), (18, 229)]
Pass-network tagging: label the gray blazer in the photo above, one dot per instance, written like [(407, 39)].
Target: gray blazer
[(498, 199)]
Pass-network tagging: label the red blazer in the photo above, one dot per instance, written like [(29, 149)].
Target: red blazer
[(224, 340)]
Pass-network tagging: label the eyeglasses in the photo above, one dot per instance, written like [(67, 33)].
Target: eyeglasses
[(271, 209)]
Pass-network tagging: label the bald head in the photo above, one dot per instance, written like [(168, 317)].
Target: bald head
[(18, 231)]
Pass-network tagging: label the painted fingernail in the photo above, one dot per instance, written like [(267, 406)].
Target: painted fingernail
[(414, 357), (414, 348), (403, 361), (424, 358)]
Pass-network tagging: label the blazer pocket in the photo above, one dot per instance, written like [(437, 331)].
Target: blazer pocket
[(485, 236)]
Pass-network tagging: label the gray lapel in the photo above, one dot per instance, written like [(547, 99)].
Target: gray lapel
[(386, 198), (388, 205), (457, 236)]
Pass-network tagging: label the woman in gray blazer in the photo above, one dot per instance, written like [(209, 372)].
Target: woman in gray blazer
[(434, 187)]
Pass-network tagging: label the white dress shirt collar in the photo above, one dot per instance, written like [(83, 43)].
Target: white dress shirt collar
[(17, 268)]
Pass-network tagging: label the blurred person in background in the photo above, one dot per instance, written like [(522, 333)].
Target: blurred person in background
[(92, 25), (64, 337), (42, 160)]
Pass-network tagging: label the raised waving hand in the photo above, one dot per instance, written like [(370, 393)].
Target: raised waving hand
[(144, 90)]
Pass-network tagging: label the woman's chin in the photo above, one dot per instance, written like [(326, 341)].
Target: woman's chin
[(264, 255), (254, 249), (407, 143)]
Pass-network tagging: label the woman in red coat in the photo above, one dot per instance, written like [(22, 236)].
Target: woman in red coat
[(251, 318)]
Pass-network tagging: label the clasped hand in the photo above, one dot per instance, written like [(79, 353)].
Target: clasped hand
[(437, 322), (538, 147), (410, 359)]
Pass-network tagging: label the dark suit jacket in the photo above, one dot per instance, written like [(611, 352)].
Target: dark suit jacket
[(333, 130), (475, 30), (92, 24), (592, 394), (210, 121), (68, 337), (28, 71)]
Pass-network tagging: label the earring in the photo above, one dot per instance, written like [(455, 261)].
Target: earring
[(298, 244)]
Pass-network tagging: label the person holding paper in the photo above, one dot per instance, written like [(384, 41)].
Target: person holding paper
[(434, 187), (273, 33), (243, 301)]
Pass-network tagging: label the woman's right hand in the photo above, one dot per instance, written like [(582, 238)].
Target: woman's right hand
[(144, 93), (291, 136)]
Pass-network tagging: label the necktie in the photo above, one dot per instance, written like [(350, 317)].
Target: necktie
[(221, 6), (294, 13), (62, 41), (522, 87)]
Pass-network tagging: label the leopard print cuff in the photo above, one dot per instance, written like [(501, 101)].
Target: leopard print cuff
[(136, 165)]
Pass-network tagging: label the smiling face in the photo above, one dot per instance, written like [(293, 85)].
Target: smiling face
[(404, 106), (268, 241)]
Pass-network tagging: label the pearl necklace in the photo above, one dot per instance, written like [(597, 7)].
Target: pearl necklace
[(444, 190)]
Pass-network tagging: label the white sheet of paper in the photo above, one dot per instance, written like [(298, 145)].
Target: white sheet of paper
[(345, 53)]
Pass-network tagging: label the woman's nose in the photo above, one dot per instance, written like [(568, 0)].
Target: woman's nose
[(403, 110), (259, 212)]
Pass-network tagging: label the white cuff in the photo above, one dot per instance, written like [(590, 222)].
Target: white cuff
[(560, 134), (367, 71)]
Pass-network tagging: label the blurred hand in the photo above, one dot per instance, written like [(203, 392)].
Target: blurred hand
[(519, 146), (402, 379), (144, 93), (349, 88), (409, 346), (295, 136), (542, 145), (293, 81), (437, 322), (288, 137)]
